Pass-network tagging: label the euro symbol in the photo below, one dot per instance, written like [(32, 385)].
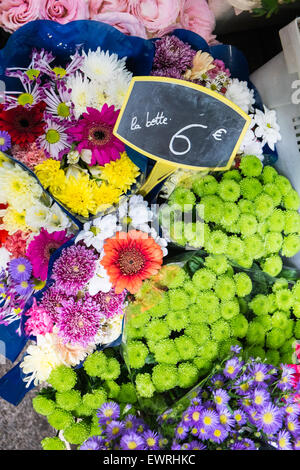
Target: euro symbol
[(218, 134)]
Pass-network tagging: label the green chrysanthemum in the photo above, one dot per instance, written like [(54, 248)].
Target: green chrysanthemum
[(43, 405), (95, 364), (199, 332), (255, 334), (187, 375), (112, 370), (77, 433), (269, 174), (204, 279), (53, 443), (177, 233), (283, 184), (230, 214), (210, 350), (229, 190), (95, 399), (217, 263), (204, 186), (263, 229), (254, 246), (82, 411), (194, 233), (272, 191), (160, 309), (134, 333), (235, 248), (273, 242), (191, 290), (157, 330), (288, 346), (179, 299), (275, 338), (62, 378), (291, 200), (225, 287), (279, 320), (220, 330), (127, 394), (232, 175), (60, 419), (112, 389), (291, 245), (172, 276), (68, 400), (251, 165), (273, 357), (296, 309), (137, 318), (137, 353), (265, 321), (276, 221), (186, 347), (284, 299), (208, 302), (166, 352), (182, 197), (243, 284), (264, 206), (212, 207), (164, 377), (250, 188), (245, 262), (239, 326), (217, 243), (144, 385), (247, 224), (178, 319), (292, 222), (260, 304), (246, 206), (296, 291), (289, 330), (297, 329), (272, 265), (229, 309)]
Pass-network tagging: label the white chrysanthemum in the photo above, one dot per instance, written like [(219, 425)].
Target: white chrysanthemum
[(267, 128), (18, 188), (94, 233), (75, 170), (117, 89), (135, 213), (37, 215), (162, 242), (57, 219), (4, 257), (251, 146), (81, 94), (68, 353), (40, 360), (102, 66), (99, 96), (110, 331), (100, 281), (239, 93)]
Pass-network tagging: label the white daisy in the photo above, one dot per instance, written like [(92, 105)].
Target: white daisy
[(94, 233), (162, 242), (135, 213), (251, 145), (100, 281), (59, 103), (57, 219), (267, 128), (55, 139), (102, 66), (4, 257), (117, 89), (82, 91), (240, 94), (36, 216)]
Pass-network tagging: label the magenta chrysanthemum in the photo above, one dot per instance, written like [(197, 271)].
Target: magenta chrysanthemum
[(95, 132), (74, 268), (78, 321), (39, 322), (52, 301), (110, 303), (41, 248)]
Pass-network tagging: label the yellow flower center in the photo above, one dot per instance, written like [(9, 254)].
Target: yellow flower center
[(291, 426), (108, 413), (259, 376), (180, 430), (217, 432), (268, 418), (21, 268), (219, 400), (59, 71), (25, 98), (2, 141), (151, 441), (196, 416), (131, 445), (258, 400), (223, 419), (238, 417), (207, 420), (52, 136), (244, 387), (115, 430), (63, 110), (24, 284), (282, 442), (230, 369)]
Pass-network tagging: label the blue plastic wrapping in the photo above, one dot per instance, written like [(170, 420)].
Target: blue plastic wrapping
[(12, 387)]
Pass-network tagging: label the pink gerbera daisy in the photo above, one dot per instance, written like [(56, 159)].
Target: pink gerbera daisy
[(41, 248), (95, 132)]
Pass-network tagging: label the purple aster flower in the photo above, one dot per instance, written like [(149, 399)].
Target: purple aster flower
[(196, 445), (236, 349), (110, 303), (218, 380), (93, 443), (249, 444), (260, 396), (195, 414), (185, 446), (285, 382), (20, 269), (218, 433), (221, 397), (181, 431), (293, 424), (232, 368), (209, 419), (284, 440), (240, 417), (245, 403), (114, 429), (242, 385), (259, 373), (186, 417), (238, 446), (292, 409), (130, 422), (24, 289), (226, 418), (3, 288), (74, 268), (172, 52), (132, 441), (5, 141), (151, 439), (297, 443), (269, 419), (175, 446), (203, 433), (78, 321), (108, 411)]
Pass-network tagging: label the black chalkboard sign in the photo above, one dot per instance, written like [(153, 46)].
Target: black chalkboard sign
[(181, 123)]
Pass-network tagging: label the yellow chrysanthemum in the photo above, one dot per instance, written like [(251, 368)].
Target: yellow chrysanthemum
[(105, 196), (79, 195), (51, 175), (121, 174), (13, 221)]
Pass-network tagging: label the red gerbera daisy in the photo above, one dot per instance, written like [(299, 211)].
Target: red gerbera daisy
[(23, 125), (130, 258)]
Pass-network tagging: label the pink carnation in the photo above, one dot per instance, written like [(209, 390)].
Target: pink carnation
[(38, 323), (156, 15), (16, 13), (196, 16), (103, 6), (16, 243), (30, 156), (63, 11), (124, 22)]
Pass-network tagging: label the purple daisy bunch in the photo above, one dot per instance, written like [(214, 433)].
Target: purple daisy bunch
[(218, 380), (285, 382), (260, 396), (269, 418), (292, 424), (114, 429), (151, 439), (232, 368), (240, 417), (242, 385), (221, 397), (218, 433), (226, 418), (132, 441), (196, 445), (284, 440), (195, 415), (24, 288), (181, 431), (108, 411)]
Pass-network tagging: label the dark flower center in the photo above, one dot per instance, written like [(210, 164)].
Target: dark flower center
[(131, 261), (24, 122), (99, 135)]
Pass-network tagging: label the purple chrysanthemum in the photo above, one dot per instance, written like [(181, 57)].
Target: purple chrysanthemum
[(20, 269), (109, 410), (52, 301), (240, 417), (78, 321), (132, 441), (172, 52), (221, 397), (171, 72), (110, 303), (93, 443), (232, 368), (114, 429), (260, 396), (269, 419), (284, 440), (293, 424), (5, 141), (181, 431), (74, 268), (151, 440), (130, 422), (218, 433)]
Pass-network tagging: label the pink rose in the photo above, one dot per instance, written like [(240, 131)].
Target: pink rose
[(63, 11), (103, 6), (16, 13), (124, 22), (196, 16), (156, 15)]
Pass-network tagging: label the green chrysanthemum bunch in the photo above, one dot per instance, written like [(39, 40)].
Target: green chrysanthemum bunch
[(194, 323), (74, 395), (246, 214)]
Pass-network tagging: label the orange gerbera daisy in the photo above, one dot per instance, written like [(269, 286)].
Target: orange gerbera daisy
[(129, 258)]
